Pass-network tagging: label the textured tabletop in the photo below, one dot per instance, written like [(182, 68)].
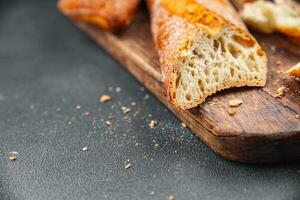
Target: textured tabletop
[(47, 68)]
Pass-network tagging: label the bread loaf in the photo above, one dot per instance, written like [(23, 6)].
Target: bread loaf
[(204, 47), (281, 16), (112, 15)]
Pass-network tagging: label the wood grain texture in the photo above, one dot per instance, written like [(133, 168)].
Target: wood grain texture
[(264, 130)]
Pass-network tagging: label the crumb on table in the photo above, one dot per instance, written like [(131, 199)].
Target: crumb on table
[(105, 98)]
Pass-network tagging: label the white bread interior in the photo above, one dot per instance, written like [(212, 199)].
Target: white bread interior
[(216, 61), (267, 17)]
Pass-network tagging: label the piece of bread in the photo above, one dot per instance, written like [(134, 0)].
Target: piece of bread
[(281, 16), (295, 71), (111, 15), (204, 47)]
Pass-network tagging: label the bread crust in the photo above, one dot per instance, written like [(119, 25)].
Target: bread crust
[(111, 15), (295, 71), (175, 23)]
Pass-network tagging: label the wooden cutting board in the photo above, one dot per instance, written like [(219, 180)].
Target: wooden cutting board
[(265, 129)]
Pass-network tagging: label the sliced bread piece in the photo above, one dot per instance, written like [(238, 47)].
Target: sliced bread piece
[(281, 16), (204, 47)]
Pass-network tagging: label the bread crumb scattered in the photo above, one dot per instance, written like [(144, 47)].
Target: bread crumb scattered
[(156, 145), (152, 193), (126, 110), (153, 123), (231, 111), (127, 166), (105, 98), (278, 62), (84, 148), (133, 103), (171, 197), (280, 92), (235, 102), (108, 123), (78, 107), (13, 157), (183, 125), (87, 114)]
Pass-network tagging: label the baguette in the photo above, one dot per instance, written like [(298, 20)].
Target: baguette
[(111, 15), (204, 47), (281, 15)]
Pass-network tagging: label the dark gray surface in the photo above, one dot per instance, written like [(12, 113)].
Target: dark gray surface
[(47, 68)]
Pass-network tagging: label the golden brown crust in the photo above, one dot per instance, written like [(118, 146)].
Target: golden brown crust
[(112, 15), (295, 71), (175, 23)]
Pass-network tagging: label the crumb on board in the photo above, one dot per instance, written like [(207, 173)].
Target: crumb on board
[(280, 92), (171, 197), (156, 145), (84, 148), (133, 103), (231, 111), (78, 107), (278, 62), (153, 123), (125, 110), (152, 193), (235, 102), (127, 166), (13, 157), (87, 114), (105, 98), (183, 125)]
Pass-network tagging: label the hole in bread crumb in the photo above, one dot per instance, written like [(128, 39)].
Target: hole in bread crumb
[(198, 53), (188, 97), (201, 85), (221, 40), (178, 80), (216, 44), (174, 95), (235, 52), (206, 71), (193, 73), (232, 72)]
